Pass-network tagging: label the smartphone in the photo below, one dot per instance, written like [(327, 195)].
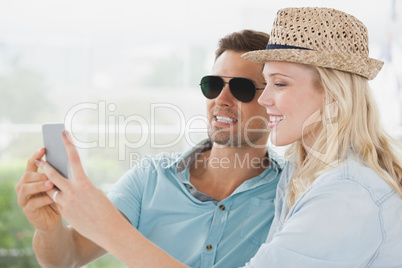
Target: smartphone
[(56, 154)]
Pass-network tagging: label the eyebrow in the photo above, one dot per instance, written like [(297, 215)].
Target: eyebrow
[(255, 82), (266, 77), (276, 74)]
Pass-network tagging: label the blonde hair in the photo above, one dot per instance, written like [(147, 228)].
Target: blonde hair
[(349, 122)]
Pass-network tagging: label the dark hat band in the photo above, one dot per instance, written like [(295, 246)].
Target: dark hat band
[(277, 46)]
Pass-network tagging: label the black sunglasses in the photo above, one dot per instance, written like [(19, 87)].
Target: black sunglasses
[(241, 88)]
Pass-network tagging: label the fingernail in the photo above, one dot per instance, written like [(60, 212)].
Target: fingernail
[(39, 151), (37, 162), (67, 134)]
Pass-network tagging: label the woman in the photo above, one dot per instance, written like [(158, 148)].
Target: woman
[(339, 200)]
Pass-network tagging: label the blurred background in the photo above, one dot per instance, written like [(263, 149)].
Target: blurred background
[(124, 75)]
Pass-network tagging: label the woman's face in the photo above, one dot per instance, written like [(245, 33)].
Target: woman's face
[(292, 100)]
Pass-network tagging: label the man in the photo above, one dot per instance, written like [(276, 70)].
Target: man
[(210, 206)]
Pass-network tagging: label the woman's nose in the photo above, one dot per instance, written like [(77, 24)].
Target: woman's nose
[(266, 98)]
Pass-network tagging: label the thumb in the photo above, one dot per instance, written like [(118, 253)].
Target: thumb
[(31, 165)]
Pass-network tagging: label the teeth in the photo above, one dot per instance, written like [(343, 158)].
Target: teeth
[(224, 119), (274, 118)]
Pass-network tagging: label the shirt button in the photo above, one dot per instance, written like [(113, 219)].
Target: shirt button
[(209, 247), (222, 207), (190, 187)]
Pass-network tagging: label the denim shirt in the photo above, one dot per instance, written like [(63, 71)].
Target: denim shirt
[(349, 217)]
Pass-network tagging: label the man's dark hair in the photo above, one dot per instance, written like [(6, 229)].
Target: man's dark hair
[(242, 41)]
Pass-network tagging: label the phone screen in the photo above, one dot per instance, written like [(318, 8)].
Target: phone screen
[(55, 154)]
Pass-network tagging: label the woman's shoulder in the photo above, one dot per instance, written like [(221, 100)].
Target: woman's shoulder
[(354, 173)]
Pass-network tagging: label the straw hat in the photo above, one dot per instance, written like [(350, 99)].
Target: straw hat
[(322, 37)]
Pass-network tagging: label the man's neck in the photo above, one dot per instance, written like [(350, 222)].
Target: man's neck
[(219, 171)]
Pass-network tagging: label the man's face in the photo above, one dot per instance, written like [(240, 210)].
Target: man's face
[(232, 122)]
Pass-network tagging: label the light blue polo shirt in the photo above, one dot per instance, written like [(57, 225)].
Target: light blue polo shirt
[(160, 201)]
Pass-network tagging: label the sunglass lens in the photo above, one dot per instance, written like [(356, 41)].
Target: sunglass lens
[(242, 89), (211, 86)]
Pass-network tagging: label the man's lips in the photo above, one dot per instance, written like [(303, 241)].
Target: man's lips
[(224, 120)]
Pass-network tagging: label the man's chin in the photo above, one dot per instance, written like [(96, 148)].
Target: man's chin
[(225, 141), (236, 141)]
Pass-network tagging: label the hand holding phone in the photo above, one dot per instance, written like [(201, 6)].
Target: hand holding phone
[(56, 154)]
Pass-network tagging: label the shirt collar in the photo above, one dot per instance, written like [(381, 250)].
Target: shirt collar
[(186, 159)]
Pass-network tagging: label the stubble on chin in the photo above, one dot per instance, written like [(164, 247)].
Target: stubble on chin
[(223, 137)]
